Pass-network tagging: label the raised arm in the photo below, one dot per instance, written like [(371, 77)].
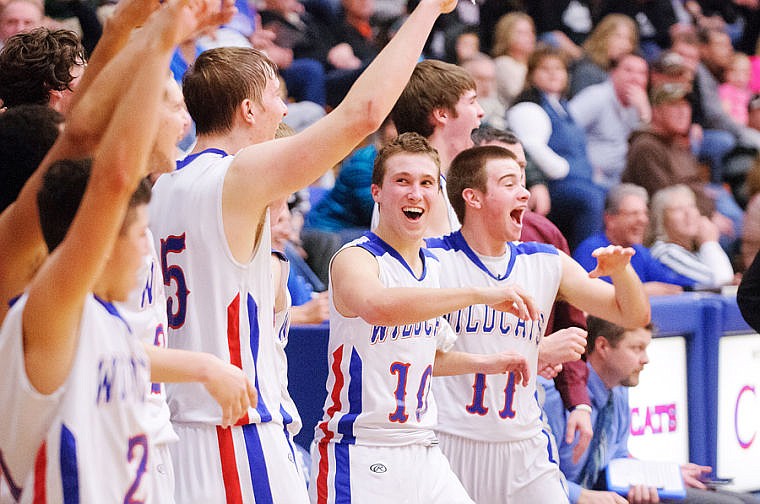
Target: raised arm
[(58, 292), (358, 292), (304, 157), (624, 302)]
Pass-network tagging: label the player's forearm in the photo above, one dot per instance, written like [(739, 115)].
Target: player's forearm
[(403, 305), (377, 89), (456, 363), (632, 307), (178, 366)]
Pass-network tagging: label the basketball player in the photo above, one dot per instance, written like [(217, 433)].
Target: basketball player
[(51, 384), (490, 418), (210, 222), (76, 371), (387, 339)]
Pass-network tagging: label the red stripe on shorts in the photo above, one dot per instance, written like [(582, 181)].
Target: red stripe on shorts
[(229, 466), (40, 468), (325, 441)]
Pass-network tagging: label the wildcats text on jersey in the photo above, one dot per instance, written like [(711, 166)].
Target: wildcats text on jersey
[(120, 378), (482, 319), (426, 329)]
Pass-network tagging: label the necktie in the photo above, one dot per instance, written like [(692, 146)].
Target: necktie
[(599, 444)]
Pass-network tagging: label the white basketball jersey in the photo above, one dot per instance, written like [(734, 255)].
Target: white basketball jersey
[(378, 387), (145, 311), (97, 446), (494, 407), (215, 304), (290, 416)]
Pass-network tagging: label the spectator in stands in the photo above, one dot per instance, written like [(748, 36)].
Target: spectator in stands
[(720, 133), (609, 112), (18, 16), (615, 358), (483, 71), (614, 36), (43, 67), (660, 156), (655, 19), (626, 218), (307, 292), (564, 24), (514, 42), (734, 92), (685, 241), (557, 144)]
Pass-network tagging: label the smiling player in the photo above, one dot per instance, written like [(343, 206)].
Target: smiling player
[(387, 339), (491, 418)]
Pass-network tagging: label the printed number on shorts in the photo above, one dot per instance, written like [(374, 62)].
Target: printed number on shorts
[(133, 451), (401, 370), (176, 304), (477, 407)]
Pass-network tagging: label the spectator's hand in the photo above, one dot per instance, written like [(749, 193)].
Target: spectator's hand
[(315, 311), (610, 260), (636, 96), (579, 421), (565, 345), (707, 231), (696, 134), (724, 224), (661, 289), (594, 497), (693, 474), (540, 201), (640, 494), (342, 57), (567, 46)]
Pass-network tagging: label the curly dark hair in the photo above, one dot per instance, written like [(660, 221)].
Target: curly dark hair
[(34, 63)]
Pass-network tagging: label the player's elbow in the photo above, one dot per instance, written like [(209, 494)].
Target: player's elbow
[(366, 116), (379, 314)]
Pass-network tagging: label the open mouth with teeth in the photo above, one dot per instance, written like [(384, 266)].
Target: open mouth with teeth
[(413, 213)]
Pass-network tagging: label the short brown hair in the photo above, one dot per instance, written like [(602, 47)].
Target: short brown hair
[(433, 85), (613, 333), (219, 80), (405, 143), (467, 170)]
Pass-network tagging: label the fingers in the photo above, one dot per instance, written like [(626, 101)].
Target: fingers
[(253, 396)]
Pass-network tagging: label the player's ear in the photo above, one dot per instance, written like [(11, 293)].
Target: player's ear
[(375, 190), (245, 111), (440, 115), (472, 197)]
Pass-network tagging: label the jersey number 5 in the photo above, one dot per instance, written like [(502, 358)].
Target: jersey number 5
[(176, 304)]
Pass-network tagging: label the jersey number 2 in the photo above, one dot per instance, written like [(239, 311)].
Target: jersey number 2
[(135, 443)]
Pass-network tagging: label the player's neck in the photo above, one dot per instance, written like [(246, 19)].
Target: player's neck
[(407, 247), (230, 142), (481, 241)]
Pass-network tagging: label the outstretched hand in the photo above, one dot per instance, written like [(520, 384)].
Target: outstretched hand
[(231, 388), (508, 362), (610, 260), (515, 301)]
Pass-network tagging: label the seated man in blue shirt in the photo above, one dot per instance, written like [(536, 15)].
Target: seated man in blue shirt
[(615, 358), (626, 217)]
